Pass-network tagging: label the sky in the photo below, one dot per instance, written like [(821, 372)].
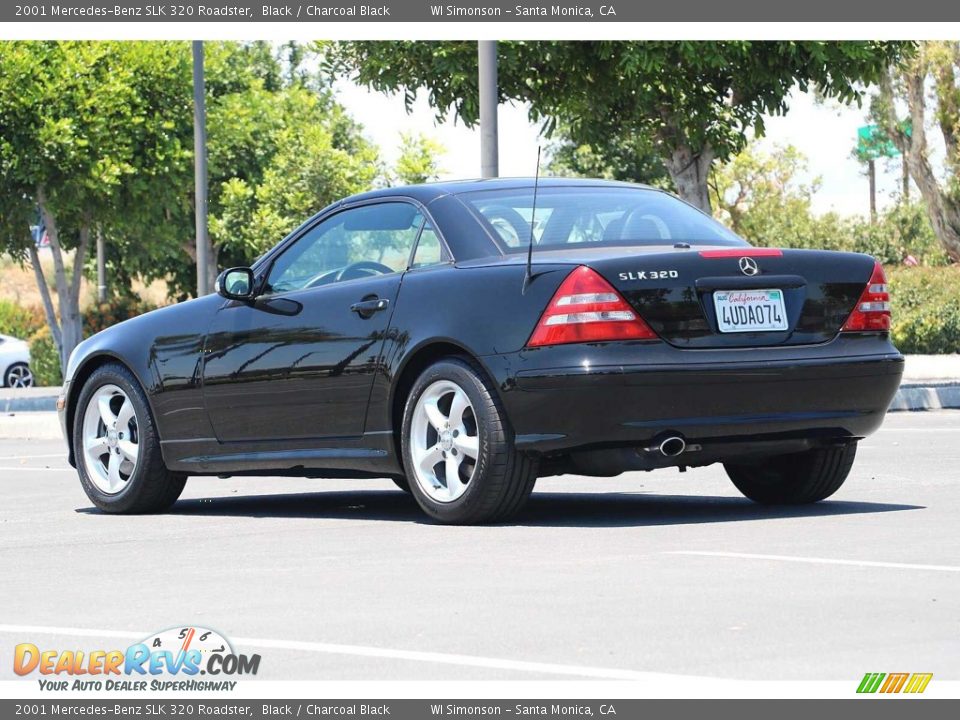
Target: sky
[(824, 133)]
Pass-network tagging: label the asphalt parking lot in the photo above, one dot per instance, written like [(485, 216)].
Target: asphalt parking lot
[(645, 573)]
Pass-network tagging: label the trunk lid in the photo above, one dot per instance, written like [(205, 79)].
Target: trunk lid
[(674, 290)]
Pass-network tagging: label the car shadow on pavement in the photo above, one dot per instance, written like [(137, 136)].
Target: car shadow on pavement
[(596, 509)]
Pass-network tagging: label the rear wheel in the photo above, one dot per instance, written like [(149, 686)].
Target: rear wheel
[(117, 449), (795, 479), (462, 466)]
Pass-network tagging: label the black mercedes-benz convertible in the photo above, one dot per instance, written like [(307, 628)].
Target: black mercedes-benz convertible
[(466, 338)]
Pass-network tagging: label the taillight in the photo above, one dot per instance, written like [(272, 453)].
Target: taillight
[(873, 308), (586, 308)]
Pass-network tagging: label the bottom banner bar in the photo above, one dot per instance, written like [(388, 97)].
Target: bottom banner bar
[(421, 709)]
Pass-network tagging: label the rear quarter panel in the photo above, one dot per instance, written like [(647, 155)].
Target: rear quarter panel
[(481, 310)]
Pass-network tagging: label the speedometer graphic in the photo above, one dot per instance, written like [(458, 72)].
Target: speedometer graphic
[(183, 639)]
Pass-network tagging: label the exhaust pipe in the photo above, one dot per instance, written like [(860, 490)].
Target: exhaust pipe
[(672, 446)]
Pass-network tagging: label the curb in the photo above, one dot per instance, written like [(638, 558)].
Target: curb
[(938, 396), (42, 403)]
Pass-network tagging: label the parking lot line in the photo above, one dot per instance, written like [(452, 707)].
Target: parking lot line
[(36, 469), (367, 651), (33, 457), (816, 560)]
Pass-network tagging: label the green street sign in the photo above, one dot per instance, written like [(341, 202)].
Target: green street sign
[(873, 143)]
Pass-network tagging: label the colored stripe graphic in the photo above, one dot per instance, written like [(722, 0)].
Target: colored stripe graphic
[(918, 683), (894, 683), (870, 682)]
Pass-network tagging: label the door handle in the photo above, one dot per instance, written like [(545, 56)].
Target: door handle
[(366, 308)]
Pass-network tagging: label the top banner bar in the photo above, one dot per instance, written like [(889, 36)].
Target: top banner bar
[(323, 11)]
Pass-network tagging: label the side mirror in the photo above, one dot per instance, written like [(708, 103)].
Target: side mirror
[(236, 283)]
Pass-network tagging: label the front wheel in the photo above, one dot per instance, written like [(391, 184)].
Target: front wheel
[(458, 447), (795, 479), (116, 446), (18, 375)]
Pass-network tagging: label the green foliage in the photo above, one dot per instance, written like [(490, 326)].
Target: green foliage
[(633, 161), (94, 125), (419, 160), (700, 98), (45, 359), (297, 153), (760, 197), (19, 321), (926, 309), (903, 230), (106, 128)]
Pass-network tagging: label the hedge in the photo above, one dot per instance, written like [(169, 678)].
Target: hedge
[(44, 358), (926, 309), (18, 321)]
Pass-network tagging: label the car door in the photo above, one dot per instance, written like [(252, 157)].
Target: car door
[(298, 362)]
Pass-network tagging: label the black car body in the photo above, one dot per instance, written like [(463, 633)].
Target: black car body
[(314, 380)]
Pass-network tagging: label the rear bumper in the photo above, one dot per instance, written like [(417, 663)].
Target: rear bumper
[(584, 397)]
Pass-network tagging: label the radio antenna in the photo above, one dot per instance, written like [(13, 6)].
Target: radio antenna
[(528, 275)]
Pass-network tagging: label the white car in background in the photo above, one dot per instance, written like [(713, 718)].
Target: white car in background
[(15, 363)]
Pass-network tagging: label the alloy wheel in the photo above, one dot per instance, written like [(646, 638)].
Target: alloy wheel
[(19, 376), (110, 439), (444, 441)]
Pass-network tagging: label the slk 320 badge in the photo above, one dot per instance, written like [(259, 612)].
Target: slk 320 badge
[(649, 275)]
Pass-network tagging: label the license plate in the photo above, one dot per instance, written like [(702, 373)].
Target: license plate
[(750, 310)]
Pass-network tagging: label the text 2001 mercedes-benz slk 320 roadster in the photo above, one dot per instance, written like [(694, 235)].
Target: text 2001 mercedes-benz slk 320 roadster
[(464, 341)]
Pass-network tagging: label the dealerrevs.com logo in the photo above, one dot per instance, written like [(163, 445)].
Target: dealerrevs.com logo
[(182, 658)]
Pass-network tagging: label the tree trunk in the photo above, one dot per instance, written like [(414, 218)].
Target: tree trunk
[(690, 171), (48, 310), (70, 329), (71, 321), (943, 207)]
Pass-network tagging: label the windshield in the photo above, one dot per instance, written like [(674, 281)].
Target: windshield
[(569, 217)]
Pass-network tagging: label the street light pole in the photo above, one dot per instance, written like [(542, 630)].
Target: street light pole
[(489, 151), (101, 267), (200, 170)]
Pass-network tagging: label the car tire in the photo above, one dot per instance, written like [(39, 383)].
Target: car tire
[(402, 484), (492, 485), (795, 479), (142, 485), (18, 375)]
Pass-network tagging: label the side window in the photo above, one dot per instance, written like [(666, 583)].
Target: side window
[(360, 242), (429, 249)]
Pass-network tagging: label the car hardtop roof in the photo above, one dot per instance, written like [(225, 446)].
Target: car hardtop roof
[(427, 192)]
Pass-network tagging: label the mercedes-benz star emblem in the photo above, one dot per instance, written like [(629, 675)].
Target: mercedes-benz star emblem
[(748, 266)]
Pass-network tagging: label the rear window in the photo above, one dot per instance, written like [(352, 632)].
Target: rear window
[(568, 217)]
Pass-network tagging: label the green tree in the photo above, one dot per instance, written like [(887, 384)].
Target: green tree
[(695, 102), (760, 196), (83, 140), (99, 135), (937, 67), (419, 160), (633, 160), (302, 153), (279, 148)]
